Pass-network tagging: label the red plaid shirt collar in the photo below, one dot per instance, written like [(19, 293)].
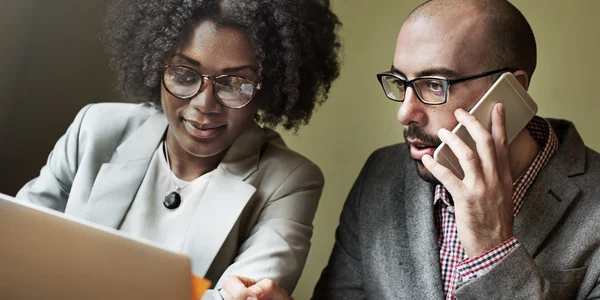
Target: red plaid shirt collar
[(542, 132)]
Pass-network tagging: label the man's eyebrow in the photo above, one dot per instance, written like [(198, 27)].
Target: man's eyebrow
[(442, 72), (396, 71)]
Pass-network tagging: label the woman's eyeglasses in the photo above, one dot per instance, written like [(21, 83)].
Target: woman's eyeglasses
[(230, 90)]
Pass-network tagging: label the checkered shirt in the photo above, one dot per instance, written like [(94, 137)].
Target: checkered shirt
[(455, 264)]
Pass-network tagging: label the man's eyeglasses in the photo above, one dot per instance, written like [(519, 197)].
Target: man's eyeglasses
[(230, 90), (429, 89)]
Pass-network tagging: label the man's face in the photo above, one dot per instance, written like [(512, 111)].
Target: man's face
[(447, 46)]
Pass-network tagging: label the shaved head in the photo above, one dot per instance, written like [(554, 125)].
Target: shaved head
[(452, 39), (508, 36)]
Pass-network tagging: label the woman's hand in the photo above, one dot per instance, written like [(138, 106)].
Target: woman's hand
[(242, 288)]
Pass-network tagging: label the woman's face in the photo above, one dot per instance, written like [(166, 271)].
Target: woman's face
[(202, 126)]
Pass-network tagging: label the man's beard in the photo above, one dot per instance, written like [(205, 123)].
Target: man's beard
[(417, 133)]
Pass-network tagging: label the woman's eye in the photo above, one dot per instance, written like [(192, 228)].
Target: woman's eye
[(184, 79)]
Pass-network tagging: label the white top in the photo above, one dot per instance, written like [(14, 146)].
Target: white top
[(148, 218)]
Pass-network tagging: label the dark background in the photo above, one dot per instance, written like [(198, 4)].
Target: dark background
[(52, 63)]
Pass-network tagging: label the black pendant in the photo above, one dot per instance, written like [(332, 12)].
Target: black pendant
[(172, 200)]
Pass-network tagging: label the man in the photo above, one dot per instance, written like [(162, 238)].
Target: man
[(522, 223)]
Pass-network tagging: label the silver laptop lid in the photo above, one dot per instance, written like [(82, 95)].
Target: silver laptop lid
[(48, 255)]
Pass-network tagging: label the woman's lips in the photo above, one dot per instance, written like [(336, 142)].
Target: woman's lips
[(417, 151), (204, 130)]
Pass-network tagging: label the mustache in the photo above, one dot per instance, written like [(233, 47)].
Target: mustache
[(417, 133)]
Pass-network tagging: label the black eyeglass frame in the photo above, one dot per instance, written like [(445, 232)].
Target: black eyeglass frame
[(445, 81), (203, 79)]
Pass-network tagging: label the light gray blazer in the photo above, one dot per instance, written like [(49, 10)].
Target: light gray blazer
[(386, 242), (254, 220)]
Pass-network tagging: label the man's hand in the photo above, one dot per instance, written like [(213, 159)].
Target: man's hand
[(242, 288), (483, 199)]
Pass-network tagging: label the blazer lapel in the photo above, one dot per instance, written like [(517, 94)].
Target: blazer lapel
[(422, 235), (219, 209), (224, 200), (118, 181), (551, 193)]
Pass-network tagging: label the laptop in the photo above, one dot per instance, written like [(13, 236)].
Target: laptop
[(45, 254)]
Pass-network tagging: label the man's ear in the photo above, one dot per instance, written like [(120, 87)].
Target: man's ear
[(523, 78)]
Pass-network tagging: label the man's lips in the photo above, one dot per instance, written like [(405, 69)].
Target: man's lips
[(418, 149), (203, 130)]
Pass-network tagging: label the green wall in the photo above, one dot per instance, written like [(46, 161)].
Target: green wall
[(358, 118)]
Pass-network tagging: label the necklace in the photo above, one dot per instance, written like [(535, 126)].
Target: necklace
[(172, 199)]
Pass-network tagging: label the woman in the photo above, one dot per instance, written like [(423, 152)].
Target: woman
[(190, 168)]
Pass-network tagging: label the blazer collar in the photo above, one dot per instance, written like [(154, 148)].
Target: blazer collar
[(243, 156), (143, 142), (553, 190), (118, 181), (241, 159)]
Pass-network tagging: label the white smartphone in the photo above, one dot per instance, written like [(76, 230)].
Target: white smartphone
[(519, 109)]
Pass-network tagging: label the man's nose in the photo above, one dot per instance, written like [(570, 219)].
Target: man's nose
[(412, 110)]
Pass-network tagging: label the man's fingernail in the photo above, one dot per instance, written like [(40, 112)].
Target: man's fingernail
[(251, 298), (500, 108)]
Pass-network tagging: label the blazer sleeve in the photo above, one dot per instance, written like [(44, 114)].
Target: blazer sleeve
[(342, 278), (502, 281), (517, 276), (278, 244), (52, 187)]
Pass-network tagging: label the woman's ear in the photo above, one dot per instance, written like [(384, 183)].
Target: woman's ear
[(523, 78)]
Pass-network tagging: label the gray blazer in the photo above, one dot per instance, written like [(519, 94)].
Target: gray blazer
[(386, 242), (254, 220)]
